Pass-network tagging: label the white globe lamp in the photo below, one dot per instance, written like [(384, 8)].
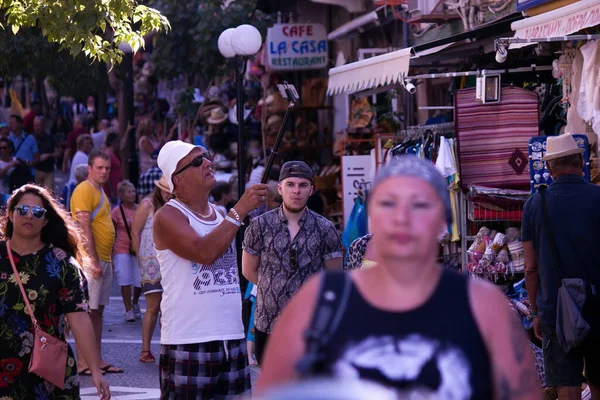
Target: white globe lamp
[(224, 43), (246, 40)]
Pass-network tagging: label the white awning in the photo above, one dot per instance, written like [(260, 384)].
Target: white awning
[(372, 72), (384, 69), (558, 23)]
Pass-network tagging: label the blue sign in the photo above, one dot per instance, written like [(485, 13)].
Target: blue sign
[(523, 5)]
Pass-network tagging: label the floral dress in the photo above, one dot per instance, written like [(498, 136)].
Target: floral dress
[(54, 284), (149, 267)]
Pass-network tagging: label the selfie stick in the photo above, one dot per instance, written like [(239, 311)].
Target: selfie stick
[(288, 92)]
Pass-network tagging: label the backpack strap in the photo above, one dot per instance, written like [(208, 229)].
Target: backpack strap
[(97, 209), (332, 299)]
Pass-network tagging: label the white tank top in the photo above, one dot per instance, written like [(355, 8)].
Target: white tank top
[(200, 303)]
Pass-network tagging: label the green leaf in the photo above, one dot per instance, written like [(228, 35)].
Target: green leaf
[(15, 29), (75, 49)]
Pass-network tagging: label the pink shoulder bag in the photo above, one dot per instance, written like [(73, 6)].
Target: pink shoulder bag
[(49, 355)]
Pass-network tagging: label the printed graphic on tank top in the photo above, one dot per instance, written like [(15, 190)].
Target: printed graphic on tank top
[(220, 277), (432, 352)]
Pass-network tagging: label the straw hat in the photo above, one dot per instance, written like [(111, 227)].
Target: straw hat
[(162, 184), (217, 116), (561, 146)]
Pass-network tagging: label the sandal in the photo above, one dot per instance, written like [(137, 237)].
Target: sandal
[(147, 357)]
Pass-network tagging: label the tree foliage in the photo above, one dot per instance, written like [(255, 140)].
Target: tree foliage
[(190, 48), (29, 54), (92, 27)]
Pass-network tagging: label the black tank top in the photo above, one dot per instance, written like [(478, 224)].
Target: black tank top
[(433, 351)]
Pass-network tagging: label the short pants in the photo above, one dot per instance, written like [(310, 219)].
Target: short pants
[(566, 369), (99, 289), (127, 272), (211, 370)]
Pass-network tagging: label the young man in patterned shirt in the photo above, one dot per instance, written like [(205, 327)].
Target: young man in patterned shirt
[(284, 247)]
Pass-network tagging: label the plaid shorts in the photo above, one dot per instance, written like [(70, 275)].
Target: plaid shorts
[(204, 371)]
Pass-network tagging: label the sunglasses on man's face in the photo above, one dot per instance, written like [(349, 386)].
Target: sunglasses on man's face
[(196, 162), (37, 212)]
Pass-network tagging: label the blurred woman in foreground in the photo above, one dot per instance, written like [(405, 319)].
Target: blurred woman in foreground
[(406, 323)]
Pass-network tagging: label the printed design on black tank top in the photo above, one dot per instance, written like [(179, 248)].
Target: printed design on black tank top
[(219, 277), (422, 367)]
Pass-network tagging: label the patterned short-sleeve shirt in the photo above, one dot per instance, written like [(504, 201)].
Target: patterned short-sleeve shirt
[(284, 265)]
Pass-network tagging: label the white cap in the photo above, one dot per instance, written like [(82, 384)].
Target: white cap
[(170, 155)]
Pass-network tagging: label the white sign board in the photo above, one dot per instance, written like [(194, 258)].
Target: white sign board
[(355, 170), (295, 47)]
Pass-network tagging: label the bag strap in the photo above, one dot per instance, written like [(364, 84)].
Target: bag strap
[(18, 279), (332, 299), (125, 221), (97, 210), (555, 257), (21, 144)]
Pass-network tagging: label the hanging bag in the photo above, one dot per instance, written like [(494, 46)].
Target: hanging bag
[(571, 326), (49, 355)]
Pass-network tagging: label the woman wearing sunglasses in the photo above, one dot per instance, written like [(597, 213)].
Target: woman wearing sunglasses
[(47, 251)]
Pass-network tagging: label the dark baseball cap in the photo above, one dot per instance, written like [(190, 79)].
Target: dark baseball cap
[(296, 169)]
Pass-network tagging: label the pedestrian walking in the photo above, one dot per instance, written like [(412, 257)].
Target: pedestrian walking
[(286, 246), (127, 271), (408, 324), (90, 207), (143, 241), (202, 306), (573, 220), (45, 248)]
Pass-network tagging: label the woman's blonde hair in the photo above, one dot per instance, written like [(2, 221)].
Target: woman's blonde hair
[(145, 128)]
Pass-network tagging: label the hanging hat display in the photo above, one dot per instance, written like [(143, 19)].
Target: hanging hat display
[(217, 116)]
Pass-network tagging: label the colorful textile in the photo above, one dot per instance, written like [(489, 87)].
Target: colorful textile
[(489, 134), (53, 282)]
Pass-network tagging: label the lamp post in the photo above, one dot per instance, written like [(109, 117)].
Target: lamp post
[(240, 43)]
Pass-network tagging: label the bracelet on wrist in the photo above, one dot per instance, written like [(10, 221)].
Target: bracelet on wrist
[(533, 314), (237, 216), (233, 221)]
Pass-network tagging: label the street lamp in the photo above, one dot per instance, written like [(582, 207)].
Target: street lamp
[(238, 43)]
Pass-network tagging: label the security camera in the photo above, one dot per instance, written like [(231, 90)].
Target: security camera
[(501, 54), (410, 88)]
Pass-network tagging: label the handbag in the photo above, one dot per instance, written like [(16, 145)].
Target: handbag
[(49, 355), (131, 250), (571, 326)]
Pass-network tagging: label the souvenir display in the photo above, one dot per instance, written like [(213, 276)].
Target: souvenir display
[(538, 172)]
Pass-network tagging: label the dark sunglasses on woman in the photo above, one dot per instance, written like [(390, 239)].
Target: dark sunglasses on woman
[(36, 211), (196, 162)]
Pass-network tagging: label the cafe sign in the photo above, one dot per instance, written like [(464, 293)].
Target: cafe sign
[(295, 47)]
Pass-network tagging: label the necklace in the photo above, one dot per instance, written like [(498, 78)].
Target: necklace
[(210, 213)]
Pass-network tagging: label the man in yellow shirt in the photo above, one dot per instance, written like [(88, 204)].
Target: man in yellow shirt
[(90, 207)]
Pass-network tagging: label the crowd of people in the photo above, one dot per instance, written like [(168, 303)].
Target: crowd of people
[(403, 323)]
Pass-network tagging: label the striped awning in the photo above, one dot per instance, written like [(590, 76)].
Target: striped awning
[(558, 23)]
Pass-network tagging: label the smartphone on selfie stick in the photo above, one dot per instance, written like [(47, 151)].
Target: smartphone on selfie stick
[(289, 93)]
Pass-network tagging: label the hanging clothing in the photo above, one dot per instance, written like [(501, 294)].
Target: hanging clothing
[(356, 225), (575, 124)]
